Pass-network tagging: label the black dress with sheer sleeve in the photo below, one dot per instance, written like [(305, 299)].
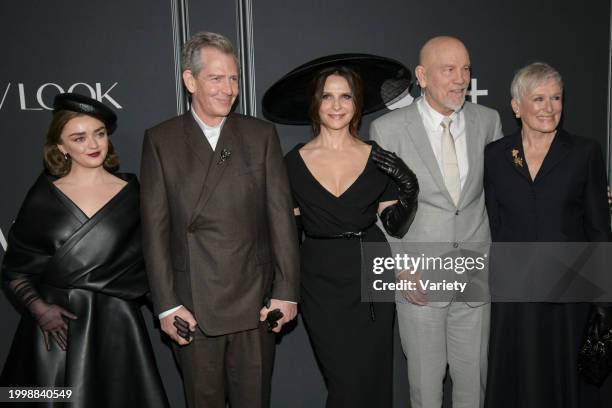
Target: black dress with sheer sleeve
[(352, 337), (92, 267)]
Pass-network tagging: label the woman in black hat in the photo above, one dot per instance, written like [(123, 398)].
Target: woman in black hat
[(340, 183), (74, 265)]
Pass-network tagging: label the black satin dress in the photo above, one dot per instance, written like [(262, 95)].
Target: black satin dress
[(92, 267), (354, 351)]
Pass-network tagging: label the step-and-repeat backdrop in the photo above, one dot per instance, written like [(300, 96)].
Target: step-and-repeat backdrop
[(122, 53)]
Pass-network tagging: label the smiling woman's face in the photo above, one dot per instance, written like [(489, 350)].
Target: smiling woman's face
[(540, 108), (85, 140), (337, 105)]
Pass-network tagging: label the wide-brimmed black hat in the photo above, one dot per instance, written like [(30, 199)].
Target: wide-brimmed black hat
[(89, 106), (384, 81)]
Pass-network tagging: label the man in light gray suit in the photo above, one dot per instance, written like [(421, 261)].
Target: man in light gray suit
[(442, 138)]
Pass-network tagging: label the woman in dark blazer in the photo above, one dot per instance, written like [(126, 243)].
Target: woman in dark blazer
[(542, 184)]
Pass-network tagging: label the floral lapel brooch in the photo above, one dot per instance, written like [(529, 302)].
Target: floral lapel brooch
[(225, 155), (516, 159)]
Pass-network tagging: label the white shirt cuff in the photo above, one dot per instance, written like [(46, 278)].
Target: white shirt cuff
[(168, 312)]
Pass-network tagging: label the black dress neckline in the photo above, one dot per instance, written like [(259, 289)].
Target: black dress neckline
[(318, 183), (78, 211)]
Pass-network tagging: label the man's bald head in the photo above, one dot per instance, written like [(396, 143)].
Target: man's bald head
[(433, 47), (444, 73)]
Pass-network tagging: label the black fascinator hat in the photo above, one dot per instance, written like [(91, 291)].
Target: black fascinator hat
[(83, 104), (384, 81)]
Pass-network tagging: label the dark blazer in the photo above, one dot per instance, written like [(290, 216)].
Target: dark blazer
[(218, 226), (566, 202)]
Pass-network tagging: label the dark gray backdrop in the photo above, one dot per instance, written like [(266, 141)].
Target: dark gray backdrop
[(126, 50)]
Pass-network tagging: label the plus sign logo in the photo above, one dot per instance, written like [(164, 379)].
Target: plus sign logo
[(474, 92), (2, 240)]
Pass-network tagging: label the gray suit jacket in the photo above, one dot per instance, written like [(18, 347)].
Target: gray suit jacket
[(218, 229), (438, 220)]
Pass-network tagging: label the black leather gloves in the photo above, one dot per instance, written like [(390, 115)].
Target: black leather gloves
[(50, 318), (397, 218)]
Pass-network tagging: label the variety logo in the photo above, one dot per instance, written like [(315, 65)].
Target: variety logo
[(41, 98)]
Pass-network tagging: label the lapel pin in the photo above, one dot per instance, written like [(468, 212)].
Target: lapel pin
[(518, 160), (225, 155)]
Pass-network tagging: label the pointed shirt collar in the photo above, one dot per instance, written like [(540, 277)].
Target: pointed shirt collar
[(432, 118), (212, 133)]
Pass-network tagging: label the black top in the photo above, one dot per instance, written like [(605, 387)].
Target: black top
[(565, 203), (323, 213)]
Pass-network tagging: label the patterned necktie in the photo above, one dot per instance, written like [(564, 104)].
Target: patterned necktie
[(449, 161)]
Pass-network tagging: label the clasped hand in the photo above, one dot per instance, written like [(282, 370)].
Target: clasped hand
[(179, 326), (289, 311)]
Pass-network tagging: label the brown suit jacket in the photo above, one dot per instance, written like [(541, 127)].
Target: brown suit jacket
[(218, 234)]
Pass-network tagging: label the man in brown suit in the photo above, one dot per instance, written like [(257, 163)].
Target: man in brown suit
[(219, 234)]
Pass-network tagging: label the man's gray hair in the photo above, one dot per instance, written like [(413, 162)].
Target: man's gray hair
[(532, 76), (190, 56)]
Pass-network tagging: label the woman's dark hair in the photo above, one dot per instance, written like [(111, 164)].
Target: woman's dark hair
[(318, 84), (55, 162)]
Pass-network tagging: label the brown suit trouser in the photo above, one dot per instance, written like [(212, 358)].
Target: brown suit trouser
[(235, 367)]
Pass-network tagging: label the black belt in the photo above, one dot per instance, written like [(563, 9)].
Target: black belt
[(342, 235)]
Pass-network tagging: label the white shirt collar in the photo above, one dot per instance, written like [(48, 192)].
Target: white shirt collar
[(432, 118), (209, 131)]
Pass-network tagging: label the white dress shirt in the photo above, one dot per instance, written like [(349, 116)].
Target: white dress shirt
[(432, 120), (212, 133)]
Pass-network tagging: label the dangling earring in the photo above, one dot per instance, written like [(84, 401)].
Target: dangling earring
[(65, 156)]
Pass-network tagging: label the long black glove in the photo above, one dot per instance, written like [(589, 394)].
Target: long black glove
[(50, 318), (397, 218)]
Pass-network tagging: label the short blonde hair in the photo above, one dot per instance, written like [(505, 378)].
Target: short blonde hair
[(532, 76)]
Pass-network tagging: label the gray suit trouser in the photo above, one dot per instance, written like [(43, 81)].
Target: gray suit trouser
[(457, 334)]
